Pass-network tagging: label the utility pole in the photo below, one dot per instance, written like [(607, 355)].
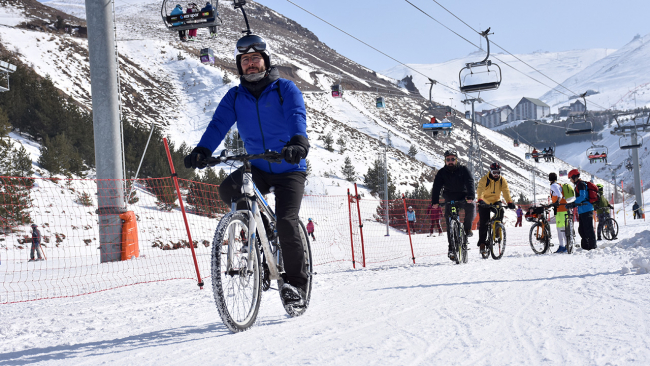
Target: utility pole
[(632, 132), (106, 126), (386, 197), (475, 161)]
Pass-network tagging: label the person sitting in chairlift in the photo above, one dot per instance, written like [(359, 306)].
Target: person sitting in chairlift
[(178, 10), (213, 28), (545, 154)]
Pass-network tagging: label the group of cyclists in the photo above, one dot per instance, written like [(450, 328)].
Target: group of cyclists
[(270, 115)]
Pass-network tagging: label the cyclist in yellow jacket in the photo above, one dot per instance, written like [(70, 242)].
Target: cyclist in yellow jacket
[(489, 191)]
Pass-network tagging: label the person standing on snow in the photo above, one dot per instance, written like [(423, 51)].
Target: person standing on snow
[(36, 244), (410, 216), (489, 191), (458, 185), (635, 210), (520, 213), (585, 211), (434, 213), (557, 197), (269, 111), (310, 229)]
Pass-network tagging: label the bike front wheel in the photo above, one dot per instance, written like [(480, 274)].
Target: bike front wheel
[(456, 240), (498, 245), (537, 237), (292, 310), (610, 229), (237, 289), (485, 253)]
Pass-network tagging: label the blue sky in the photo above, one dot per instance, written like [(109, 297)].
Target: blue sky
[(520, 26)]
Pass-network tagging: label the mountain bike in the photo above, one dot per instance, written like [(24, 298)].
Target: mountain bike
[(610, 228), (456, 233), (496, 234), (569, 230), (247, 254), (540, 232)]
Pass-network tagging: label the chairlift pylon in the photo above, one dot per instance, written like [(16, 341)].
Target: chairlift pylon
[(178, 19), (471, 80)]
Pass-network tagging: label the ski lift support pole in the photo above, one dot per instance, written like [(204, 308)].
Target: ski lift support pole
[(632, 131), (239, 4), (475, 161)]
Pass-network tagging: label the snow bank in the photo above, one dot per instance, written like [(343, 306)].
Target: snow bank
[(640, 244)]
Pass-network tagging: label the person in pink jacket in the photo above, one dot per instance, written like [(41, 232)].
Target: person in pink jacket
[(192, 8), (310, 229), (435, 213)]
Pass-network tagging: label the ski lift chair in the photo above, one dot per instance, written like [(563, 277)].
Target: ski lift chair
[(184, 21), (6, 69), (580, 127), (515, 143), (597, 154), (435, 127), (563, 173), (337, 91), (472, 81), (629, 145), (381, 103), (207, 56), (628, 164)]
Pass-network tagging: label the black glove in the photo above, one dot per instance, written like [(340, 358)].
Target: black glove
[(481, 203), (511, 205), (612, 207), (570, 206), (197, 158), (296, 149)]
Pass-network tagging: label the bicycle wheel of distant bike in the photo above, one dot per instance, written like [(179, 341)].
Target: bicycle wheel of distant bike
[(297, 310), (237, 290), (539, 241), (610, 229), (498, 245), (570, 236)]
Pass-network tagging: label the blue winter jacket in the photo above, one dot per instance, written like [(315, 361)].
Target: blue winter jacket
[(582, 196), (177, 11), (410, 215), (208, 7), (264, 124)]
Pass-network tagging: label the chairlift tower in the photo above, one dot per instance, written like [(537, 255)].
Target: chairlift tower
[(474, 158), (383, 157), (634, 145), (6, 69)]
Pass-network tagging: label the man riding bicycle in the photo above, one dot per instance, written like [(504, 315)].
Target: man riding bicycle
[(488, 192), (458, 185), (270, 115)]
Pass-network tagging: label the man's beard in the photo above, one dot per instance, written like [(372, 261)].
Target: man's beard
[(452, 167), (252, 78)]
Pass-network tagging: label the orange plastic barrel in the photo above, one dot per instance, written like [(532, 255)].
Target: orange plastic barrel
[(130, 247)]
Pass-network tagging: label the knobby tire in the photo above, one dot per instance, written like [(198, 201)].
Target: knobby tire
[(498, 246), (537, 237)]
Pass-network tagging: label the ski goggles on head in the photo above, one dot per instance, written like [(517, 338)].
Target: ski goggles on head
[(257, 47), (495, 172)]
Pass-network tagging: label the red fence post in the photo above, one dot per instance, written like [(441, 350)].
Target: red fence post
[(408, 228), (351, 236), (180, 200), (363, 247)]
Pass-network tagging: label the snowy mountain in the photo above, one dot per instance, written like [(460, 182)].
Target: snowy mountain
[(516, 83), (622, 79)]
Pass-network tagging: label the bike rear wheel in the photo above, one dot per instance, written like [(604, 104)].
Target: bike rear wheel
[(610, 229), (292, 310), (454, 233), (538, 240), (237, 290), (498, 246), (570, 236)]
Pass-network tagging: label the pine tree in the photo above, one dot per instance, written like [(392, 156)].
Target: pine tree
[(308, 167), (342, 146), (348, 170), (374, 180), (58, 156), (523, 200), (412, 151), (329, 142)]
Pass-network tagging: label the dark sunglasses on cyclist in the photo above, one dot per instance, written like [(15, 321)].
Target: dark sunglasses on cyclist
[(257, 46), (450, 159), (496, 172)]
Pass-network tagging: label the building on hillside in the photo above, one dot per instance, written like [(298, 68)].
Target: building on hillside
[(576, 108), (494, 117), (530, 108), (564, 111)]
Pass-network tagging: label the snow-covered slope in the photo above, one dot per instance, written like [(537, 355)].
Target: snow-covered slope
[(515, 85), (622, 79)]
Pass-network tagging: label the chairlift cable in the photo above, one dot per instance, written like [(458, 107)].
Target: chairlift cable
[(508, 52)]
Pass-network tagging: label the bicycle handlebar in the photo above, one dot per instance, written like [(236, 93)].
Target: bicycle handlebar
[(269, 155)]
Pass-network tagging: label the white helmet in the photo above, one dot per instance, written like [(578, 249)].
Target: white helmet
[(251, 43)]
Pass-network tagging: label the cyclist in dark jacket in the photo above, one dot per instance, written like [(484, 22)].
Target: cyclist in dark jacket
[(269, 111), (458, 185)]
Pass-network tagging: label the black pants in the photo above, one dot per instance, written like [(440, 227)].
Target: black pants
[(601, 222), (467, 222), (586, 230), (289, 188), (484, 216), (181, 34)]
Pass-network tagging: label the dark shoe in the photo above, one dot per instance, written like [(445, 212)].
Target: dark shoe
[(32, 260), (40, 259), (292, 295), (469, 233), (561, 249), (451, 255), (482, 246)]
